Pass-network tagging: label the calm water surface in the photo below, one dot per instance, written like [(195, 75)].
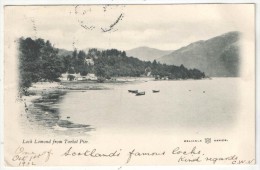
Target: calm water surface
[(179, 104)]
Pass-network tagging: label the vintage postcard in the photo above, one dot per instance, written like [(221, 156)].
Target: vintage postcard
[(127, 85)]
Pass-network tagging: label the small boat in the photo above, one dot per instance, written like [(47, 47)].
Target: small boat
[(156, 91), (140, 93), (133, 91)]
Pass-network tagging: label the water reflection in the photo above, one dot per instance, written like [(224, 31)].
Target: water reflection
[(45, 112)]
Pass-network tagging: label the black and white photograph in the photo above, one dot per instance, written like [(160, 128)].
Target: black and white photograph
[(125, 84)]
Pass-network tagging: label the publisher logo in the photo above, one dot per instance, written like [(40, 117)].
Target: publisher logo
[(207, 140)]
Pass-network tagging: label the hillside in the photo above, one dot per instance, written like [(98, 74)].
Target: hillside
[(217, 57), (147, 53), (39, 60), (63, 52)]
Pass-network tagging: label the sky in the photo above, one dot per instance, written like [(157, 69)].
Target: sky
[(166, 27)]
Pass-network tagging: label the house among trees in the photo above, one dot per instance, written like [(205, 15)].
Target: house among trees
[(89, 76), (70, 77), (77, 77), (89, 61), (148, 72)]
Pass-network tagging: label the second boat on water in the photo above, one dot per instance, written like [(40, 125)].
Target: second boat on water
[(140, 93), (133, 91)]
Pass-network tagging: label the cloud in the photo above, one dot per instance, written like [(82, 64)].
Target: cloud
[(157, 26)]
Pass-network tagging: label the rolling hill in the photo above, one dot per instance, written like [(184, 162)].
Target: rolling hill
[(217, 57), (146, 53)]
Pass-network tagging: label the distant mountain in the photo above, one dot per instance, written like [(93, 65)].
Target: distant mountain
[(217, 57), (147, 53)]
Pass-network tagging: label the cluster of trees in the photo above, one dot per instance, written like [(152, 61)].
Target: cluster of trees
[(39, 61), (115, 63), (175, 72), (76, 63)]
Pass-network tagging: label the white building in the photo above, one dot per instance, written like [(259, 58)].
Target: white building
[(89, 61), (65, 76), (90, 76)]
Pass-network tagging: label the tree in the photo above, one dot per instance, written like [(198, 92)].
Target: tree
[(67, 63), (75, 60), (82, 66), (51, 64), (71, 77), (38, 61), (29, 62)]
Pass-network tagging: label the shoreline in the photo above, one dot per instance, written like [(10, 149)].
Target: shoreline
[(41, 111), (38, 89)]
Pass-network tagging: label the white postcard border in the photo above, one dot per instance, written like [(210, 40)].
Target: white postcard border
[(34, 2)]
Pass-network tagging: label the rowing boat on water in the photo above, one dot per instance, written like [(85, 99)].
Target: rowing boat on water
[(140, 93), (133, 91), (156, 91)]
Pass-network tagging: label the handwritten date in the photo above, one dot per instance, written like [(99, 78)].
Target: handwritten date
[(25, 158)]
